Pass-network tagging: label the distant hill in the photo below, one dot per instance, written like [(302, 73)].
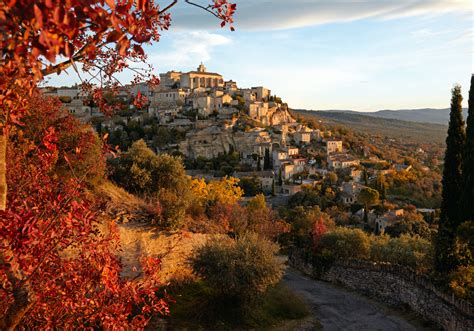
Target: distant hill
[(410, 131), (426, 115)]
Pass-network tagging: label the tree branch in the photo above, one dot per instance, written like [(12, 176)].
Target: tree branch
[(202, 7), (168, 7)]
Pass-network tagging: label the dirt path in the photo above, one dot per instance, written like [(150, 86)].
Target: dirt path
[(338, 309)]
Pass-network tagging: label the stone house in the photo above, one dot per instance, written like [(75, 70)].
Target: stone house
[(291, 189), (292, 151), (333, 146), (287, 170), (299, 164), (167, 97), (278, 156), (349, 192), (302, 137), (341, 161), (261, 93), (259, 111)]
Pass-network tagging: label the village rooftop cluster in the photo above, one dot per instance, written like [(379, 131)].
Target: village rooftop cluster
[(219, 118)]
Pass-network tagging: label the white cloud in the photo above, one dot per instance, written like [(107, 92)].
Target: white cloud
[(283, 14), (422, 33), (189, 48)]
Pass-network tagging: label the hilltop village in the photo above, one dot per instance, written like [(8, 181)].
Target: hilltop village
[(221, 129)]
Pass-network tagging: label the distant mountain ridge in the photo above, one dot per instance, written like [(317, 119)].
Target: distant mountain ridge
[(409, 131), (424, 115)]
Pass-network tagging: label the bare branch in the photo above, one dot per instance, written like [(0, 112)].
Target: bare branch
[(168, 7), (202, 7)]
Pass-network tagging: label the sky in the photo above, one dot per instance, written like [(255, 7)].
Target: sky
[(328, 54)]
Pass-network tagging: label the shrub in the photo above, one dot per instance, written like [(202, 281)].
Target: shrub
[(462, 282), (343, 243), (241, 268), (412, 251), (303, 221), (173, 209), (322, 261), (140, 170), (79, 147), (251, 186), (346, 243)]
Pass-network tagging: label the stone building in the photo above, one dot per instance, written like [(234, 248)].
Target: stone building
[(334, 146), (341, 161), (261, 93), (201, 78), (171, 79), (302, 137), (167, 97)]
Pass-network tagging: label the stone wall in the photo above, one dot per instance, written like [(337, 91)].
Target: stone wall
[(398, 286)]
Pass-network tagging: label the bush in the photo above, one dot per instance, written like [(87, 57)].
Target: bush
[(79, 147), (412, 251), (346, 243), (243, 268), (462, 282), (322, 262), (173, 209), (251, 186), (140, 170)]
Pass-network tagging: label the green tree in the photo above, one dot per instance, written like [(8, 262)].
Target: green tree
[(332, 178), (468, 167), (141, 171), (381, 186), (344, 243), (411, 224), (368, 197), (451, 215), (267, 163), (280, 178), (251, 186)]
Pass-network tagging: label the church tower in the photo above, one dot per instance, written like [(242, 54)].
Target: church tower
[(201, 68)]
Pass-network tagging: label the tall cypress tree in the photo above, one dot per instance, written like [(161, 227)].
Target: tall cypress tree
[(267, 160), (468, 168), (452, 187)]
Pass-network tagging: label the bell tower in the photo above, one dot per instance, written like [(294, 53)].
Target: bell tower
[(201, 68)]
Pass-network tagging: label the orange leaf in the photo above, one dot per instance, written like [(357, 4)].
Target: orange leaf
[(38, 16), (110, 3)]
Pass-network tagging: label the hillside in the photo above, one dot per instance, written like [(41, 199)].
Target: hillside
[(425, 115), (410, 131)]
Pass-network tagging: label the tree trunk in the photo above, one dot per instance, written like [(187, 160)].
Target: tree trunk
[(3, 170), (21, 305)]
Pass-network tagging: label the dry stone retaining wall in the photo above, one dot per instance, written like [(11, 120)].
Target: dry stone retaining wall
[(397, 286)]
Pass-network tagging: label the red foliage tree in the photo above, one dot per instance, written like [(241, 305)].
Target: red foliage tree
[(318, 230), (57, 270)]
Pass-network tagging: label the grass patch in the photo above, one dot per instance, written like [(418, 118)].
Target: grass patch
[(198, 306)]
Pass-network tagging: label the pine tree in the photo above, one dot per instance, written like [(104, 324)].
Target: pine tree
[(452, 187), (468, 168)]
